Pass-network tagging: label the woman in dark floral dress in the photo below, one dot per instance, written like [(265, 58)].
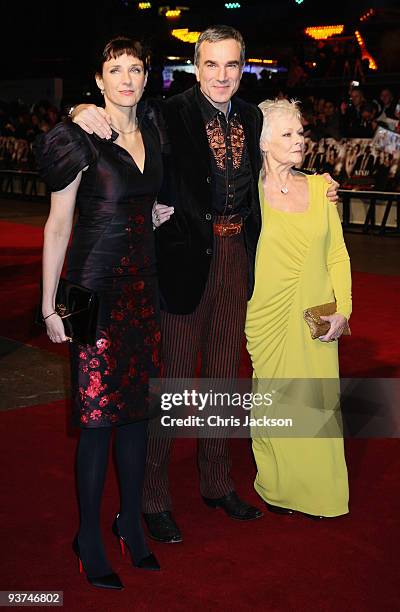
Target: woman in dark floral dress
[(112, 184)]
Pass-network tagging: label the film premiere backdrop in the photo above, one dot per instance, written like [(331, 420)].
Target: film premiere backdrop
[(368, 171), (358, 163)]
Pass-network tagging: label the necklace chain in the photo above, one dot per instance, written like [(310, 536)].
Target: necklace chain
[(283, 186), (129, 132)]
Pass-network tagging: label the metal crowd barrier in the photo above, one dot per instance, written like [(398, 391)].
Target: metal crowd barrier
[(21, 184), (373, 201), (27, 185)]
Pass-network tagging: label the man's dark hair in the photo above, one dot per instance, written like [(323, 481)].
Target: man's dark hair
[(216, 34)]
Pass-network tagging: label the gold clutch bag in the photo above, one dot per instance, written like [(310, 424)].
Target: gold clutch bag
[(317, 326)]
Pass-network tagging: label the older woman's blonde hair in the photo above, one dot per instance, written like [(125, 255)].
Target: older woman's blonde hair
[(277, 106)]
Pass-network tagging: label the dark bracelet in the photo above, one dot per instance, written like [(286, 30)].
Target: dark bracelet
[(50, 315)]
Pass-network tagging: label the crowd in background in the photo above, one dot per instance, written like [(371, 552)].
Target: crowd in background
[(357, 117), (327, 60), (21, 121), (354, 115), (19, 126), (333, 113)]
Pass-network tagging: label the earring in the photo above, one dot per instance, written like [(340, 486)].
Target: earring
[(102, 92)]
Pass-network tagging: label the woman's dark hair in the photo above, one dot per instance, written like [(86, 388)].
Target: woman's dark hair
[(118, 46)]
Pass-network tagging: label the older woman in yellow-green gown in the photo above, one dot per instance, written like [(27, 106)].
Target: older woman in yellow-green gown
[(301, 262)]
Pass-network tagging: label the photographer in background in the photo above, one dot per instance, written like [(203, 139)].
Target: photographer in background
[(351, 119)]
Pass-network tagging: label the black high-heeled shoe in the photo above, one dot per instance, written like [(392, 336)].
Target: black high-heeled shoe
[(109, 581), (313, 517), (148, 563), (279, 510)]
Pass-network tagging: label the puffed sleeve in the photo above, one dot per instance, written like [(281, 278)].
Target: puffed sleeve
[(61, 154)]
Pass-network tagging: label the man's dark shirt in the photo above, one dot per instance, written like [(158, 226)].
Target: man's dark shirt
[(229, 159)]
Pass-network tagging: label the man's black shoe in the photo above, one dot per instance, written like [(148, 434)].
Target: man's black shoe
[(162, 527), (234, 507)]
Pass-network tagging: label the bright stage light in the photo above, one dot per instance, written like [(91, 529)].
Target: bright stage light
[(255, 60), (232, 5), (323, 32), (367, 15), (364, 51), (184, 35), (144, 5), (173, 14)]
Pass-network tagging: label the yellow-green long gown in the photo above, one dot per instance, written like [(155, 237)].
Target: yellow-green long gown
[(301, 261)]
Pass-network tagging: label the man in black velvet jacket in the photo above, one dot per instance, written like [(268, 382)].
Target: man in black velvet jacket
[(185, 242), (206, 253), (206, 256)]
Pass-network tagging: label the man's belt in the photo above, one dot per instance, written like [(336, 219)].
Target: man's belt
[(227, 229)]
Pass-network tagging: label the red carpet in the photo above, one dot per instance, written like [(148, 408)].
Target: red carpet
[(20, 272), (275, 564)]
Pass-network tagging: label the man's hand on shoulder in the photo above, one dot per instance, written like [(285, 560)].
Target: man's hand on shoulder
[(92, 119), (332, 193)]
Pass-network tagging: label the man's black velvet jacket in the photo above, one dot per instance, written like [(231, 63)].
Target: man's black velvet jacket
[(185, 243)]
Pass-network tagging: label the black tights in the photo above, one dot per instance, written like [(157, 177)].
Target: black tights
[(92, 460)]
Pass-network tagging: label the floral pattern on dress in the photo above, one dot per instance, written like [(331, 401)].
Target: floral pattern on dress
[(133, 316)]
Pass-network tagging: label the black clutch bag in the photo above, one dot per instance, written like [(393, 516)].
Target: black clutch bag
[(78, 308)]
